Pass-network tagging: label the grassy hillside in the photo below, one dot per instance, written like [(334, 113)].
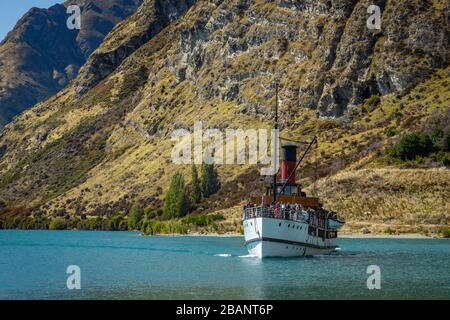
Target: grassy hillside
[(389, 200), (98, 150)]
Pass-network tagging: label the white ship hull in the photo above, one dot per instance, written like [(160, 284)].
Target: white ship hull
[(270, 237)]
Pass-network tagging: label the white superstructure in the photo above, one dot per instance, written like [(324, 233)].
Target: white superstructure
[(276, 232)]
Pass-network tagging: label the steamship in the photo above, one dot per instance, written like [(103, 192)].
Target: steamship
[(285, 222)]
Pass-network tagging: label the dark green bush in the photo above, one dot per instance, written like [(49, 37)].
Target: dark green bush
[(58, 224), (441, 157), (419, 146), (117, 222), (390, 132), (412, 145), (445, 232), (371, 103)]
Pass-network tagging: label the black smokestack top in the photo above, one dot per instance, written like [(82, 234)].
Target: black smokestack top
[(288, 163), (289, 153)]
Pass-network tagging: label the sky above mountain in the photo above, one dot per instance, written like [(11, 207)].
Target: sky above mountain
[(11, 12)]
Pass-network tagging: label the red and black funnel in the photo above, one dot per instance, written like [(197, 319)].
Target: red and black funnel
[(288, 163)]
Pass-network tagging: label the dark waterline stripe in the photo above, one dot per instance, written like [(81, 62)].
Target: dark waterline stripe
[(289, 242)]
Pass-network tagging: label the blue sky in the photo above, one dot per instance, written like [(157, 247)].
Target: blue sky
[(12, 11)]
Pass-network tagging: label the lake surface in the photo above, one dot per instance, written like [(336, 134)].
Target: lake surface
[(124, 265)]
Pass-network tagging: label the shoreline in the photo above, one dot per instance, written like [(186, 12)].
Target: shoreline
[(387, 236), (230, 235), (343, 236)]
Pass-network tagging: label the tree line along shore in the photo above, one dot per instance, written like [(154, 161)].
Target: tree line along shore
[(174, 218)]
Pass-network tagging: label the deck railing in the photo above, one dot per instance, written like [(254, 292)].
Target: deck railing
[(285, 214), (274, 212)]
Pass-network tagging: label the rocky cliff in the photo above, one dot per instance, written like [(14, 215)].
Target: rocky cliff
[(41, 55), (104, 141)]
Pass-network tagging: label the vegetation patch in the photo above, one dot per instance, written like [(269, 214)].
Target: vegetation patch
[(418, 145)]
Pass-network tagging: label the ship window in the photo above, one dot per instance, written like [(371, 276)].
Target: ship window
[(297, 227), (289, 225), (279, 224)]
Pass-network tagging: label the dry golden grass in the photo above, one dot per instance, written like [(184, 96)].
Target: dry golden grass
[(404, 200), (138, 147)]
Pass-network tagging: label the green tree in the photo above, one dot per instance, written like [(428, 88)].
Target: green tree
[(135, 216), (412, 145), (177, 200), (210, 180), (196, 192), (58, 224), (117, 222)]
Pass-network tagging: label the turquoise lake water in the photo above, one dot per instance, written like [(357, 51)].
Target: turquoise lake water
[(124, 265)]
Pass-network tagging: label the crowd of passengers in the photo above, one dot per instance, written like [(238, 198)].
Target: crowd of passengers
[(288, 211)]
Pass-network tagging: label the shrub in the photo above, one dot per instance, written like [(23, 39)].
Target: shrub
[(202, 220), (371, 103), (151, 213), (389, 231), (441, 157), (445, 232), (412, 145), (117, 222), (417, 146), (390, 132), (440, 139), (165, 227), (58, 224)]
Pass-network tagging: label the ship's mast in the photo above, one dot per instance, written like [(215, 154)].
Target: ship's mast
[(275, 149)]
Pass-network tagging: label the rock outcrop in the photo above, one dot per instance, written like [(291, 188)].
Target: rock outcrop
[(40, 56), (105, 140), (151, 18)]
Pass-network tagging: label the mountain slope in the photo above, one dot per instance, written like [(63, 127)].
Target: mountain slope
[(104, 142), (41, 55)]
